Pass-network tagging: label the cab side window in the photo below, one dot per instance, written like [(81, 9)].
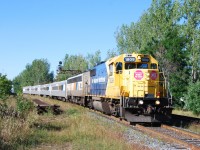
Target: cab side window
[(110, 69), (153, 66), (118, 67)]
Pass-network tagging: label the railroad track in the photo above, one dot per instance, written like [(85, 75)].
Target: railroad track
[(182, 139)]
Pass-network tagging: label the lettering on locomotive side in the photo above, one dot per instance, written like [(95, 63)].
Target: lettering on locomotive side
[(99, 80)]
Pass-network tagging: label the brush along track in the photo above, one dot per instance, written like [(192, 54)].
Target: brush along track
[(175, 135)]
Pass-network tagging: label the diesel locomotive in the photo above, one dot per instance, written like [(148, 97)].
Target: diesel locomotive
[(129, 86)]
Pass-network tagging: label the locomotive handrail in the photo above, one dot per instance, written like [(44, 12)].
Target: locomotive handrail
[(169, 95)]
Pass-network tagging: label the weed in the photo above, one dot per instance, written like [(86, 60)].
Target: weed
[(24, 105), (72, 111)]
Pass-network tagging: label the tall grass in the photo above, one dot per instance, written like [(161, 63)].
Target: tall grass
[(73, 129), (79, 130), (14, 125), (185, 113)]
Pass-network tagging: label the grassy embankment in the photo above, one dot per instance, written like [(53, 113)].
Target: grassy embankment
[(73, 129), (193, 127), (185, 113)]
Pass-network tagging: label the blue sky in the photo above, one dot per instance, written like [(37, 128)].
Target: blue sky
[(50, 29)]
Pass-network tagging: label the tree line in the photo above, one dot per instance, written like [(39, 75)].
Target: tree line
[(38, 72), (169, 30)]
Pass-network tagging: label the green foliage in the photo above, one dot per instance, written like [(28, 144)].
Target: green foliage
[(34, 74), (192, 98), (191, 30), (73, 62), (23, 105), (178, 78), (78, 63), (5, 86), (111, 53), (93, 59), (72, 111)]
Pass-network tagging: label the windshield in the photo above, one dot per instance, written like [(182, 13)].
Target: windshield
[(134, 66), (142, 65), (130, 66)]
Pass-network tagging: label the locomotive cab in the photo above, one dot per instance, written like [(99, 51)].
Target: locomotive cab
[(142, 89)]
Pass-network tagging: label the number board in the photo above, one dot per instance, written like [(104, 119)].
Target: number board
[(145, 59), (129, 59)]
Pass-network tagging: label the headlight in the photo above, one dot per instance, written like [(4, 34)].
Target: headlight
[(141, 102), (157, 102)]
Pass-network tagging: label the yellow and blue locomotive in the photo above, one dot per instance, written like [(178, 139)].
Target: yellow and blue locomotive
[(130, 86)]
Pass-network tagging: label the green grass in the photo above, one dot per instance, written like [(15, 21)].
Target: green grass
[(185, 113), (73, 128)]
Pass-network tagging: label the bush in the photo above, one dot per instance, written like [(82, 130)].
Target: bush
[(192, 98), (24, 105), (5, 85)]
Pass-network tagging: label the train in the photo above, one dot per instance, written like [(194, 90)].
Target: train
[(129, 86)]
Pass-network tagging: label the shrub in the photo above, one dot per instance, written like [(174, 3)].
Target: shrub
[(192, 98), (5, 85), (23, 105)]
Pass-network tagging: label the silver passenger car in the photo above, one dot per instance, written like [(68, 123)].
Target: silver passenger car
[(58, 89), (45, 90), (35, 90), (26, 90)]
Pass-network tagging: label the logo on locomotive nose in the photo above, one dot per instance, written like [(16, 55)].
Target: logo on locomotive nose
[(153, 75), (138, 74)]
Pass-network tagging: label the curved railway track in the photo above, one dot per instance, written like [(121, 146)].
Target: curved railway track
[(180, 138)]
